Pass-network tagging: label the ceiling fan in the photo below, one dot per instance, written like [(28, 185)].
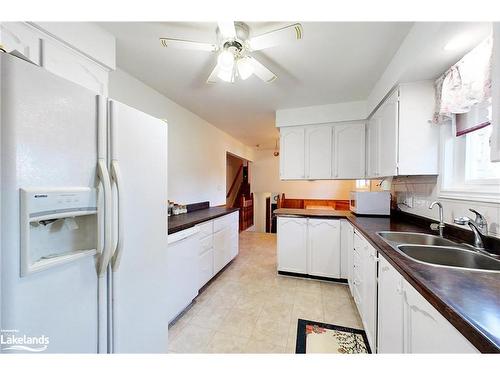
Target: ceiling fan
[(234, 47)]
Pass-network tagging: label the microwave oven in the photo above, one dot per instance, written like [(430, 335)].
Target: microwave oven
[(370, 202)]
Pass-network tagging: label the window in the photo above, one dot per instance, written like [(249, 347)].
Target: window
[(478, 167), (362, 184), (466, 170)]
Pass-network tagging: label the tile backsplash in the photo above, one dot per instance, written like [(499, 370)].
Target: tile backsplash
[(414, 194)]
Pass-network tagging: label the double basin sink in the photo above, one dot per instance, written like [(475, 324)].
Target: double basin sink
[(440, 251)]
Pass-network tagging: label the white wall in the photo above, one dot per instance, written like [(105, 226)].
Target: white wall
[(264, 178), (320, 114), (196, 148)]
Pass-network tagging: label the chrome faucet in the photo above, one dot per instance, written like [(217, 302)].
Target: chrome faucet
[(480, 221), (478, 238), (439, 226)]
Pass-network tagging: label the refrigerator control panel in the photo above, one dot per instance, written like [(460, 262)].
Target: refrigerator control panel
[(52, 202), (57, 226)]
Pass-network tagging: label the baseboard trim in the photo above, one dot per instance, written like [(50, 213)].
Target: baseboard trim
[(313, 277)]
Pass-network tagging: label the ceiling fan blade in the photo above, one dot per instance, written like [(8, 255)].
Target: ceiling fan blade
[(212, 78), (273, 38), (261, 71), (187, 44), (227, 29)]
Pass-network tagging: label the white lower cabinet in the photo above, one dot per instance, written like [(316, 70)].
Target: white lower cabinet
[(323, 248), (397, 318), (390, 309), (206, 267), (309, 246), (222, 248), (425, 330), (292, 244), (219, 245), (346, 245), (365, 286)]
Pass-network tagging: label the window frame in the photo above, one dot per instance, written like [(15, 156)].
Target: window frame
[(452, 171)]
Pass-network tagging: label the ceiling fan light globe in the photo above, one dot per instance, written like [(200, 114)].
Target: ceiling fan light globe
[(226, 75), (226, 60), (245, 68)]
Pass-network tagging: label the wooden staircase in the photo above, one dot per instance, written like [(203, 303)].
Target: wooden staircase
[(244, 199)]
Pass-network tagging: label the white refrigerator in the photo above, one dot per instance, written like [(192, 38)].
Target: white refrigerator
[(83, 246)]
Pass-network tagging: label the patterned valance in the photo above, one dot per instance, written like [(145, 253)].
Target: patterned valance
[(465, 84)]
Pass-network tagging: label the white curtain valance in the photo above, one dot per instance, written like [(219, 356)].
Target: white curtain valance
[(465, 84)]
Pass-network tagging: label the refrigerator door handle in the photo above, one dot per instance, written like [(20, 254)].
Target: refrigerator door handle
[(103, 175), (116, 178)]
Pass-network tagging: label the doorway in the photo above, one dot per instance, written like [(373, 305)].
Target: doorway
[(238, 190)]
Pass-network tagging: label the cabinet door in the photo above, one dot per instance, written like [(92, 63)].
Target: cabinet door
[(323, 248), (390, 309), (346, 244), (357, 270), (426, 330), (388, 131), (20, 37), (373, 146), (369, 294), (349, 151), (206, 267), (319, 152), (292, 245), (69, 64), (292, 153), (222, 248)]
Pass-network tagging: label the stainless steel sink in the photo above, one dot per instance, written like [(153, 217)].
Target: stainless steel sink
[(415, 238), (450, 257)]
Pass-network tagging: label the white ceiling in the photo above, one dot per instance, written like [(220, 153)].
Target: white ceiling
[(334, 62)]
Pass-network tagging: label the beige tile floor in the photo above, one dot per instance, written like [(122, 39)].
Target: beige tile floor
[(248, 308)]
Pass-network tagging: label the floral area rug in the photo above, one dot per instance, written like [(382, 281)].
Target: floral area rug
[(315, 337)]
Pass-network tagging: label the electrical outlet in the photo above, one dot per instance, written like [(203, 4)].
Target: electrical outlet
[(409, 201)]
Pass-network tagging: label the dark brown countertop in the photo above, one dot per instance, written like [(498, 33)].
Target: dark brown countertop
[(180, 222), (469, 300)]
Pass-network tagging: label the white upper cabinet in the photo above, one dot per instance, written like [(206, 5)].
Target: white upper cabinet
[(292, 153), (418, 137), (324, 248), (20, 37), (349, 151), (322, 152), (373, 146), (401, 140), (388, 133), (64, 62), (318, 152), (80, 52)]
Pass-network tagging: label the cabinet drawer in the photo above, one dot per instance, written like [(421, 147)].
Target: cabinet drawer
[(359, 241), (206, 229), (206, 243), (223, 222), (206, 267)]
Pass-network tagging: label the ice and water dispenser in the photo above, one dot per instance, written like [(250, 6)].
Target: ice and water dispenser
[(57, 226)]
